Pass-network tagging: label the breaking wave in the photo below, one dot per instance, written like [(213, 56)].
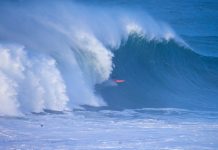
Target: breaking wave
[(162, 74), (61, 55)]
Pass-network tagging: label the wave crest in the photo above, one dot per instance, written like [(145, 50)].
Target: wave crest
[(69, 48)]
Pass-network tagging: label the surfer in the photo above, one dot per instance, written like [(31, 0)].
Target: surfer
[(118, 80)]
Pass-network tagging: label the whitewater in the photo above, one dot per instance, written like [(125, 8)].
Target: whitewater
[(59, 61)]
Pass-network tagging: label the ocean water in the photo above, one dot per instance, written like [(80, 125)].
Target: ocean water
[(113, 74)]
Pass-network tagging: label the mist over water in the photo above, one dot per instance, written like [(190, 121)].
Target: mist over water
[(53, 53)]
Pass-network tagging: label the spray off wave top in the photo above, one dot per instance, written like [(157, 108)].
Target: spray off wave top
[(53, 54)]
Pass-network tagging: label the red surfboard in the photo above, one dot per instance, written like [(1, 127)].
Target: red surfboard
[(119, 81)]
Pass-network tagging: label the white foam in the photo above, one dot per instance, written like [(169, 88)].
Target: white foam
[(99, 65), (29, 84), (8, 93), (68, 50)]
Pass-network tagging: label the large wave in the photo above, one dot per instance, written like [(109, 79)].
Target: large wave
[(162, 74), (59, 55)]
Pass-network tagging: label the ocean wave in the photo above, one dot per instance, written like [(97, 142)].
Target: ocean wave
[(161, 74), (58, 56)]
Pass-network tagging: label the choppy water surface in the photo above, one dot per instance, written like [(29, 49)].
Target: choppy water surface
[(129, 129)]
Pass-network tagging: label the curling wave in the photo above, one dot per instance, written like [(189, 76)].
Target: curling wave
[(162, 74), (59, 55)]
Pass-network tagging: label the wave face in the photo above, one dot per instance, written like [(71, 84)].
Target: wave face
[(162, 74), (64, 55)]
